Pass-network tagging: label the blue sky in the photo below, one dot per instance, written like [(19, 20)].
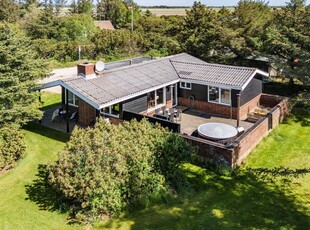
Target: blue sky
[(207, 2)]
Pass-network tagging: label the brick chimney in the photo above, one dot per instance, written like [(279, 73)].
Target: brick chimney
[(86, 70)]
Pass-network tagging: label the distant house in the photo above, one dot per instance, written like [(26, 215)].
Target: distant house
[(144, 88), (104, 25)]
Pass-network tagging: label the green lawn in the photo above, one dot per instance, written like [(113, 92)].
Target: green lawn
[(50, 100), (239, 201)]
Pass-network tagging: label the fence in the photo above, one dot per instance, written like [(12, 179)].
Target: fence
[(174, 127)]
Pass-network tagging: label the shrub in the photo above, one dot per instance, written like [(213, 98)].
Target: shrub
[(12, 146), (108, 168)]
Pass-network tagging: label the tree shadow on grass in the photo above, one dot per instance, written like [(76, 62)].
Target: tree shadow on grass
[(241, 201), (47, 132), (44, 195)]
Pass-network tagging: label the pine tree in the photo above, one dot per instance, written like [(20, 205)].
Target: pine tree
[(20, 68)]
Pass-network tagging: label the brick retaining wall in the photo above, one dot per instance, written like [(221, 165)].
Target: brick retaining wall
[(222, 110), (235, 153), (209, 151)]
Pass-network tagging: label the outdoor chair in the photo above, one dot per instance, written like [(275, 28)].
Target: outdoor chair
[(171, 117), (178, 115), (157, 111), (55, 115), (73, 116), (164, 109)]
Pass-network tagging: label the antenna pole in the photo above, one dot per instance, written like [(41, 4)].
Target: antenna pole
[(79, 53), (131, 19)]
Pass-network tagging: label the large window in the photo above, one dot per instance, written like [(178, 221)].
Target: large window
[(156, 98), (72, 99), (219, 95), (113, 110)]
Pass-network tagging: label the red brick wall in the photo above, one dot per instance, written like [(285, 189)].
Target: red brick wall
[(87, 113), (222, 110), (210, 151), (225, 111), (270, 100), (248, 141), (249, 106)]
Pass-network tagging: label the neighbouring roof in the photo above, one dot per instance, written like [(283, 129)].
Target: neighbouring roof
[(122, 83), (104, 25)]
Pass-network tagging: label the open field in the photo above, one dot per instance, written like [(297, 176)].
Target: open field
[(173, 11), (241, 200)]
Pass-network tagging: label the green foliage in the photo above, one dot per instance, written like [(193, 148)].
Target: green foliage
[(200, 30), (20, 68), (117, 11), (12, 146), (77, 27), (122, 41), (106, 169), (9, 11), (81, 7)]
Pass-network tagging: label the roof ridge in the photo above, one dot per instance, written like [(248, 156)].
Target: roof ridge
[(140, 64), (219, 65)]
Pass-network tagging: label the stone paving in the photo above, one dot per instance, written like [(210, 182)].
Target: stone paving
[(191, 119), (57, 124)]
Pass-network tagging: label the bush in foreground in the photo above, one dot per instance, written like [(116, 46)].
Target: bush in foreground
[(12, 147), (107, 169)]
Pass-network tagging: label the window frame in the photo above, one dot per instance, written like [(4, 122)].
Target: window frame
[(220, 96), (75, 99), (186, 87), (102, 111)]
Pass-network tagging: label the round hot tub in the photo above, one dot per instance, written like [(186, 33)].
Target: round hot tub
[(218, 132)]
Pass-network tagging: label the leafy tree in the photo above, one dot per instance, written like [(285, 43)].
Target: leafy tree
[(119, 42), (19, 69), (76, 27), (108, 168), (115, 11), (9, 11), (81, 7)]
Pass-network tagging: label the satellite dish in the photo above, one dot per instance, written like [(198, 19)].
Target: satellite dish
[(100, 66)]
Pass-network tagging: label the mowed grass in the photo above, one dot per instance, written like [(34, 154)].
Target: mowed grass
[(50, 100), (17, 211), (242, 200)]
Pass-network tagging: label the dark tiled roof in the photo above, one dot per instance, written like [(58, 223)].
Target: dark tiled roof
[(214, 73), (128, 80)]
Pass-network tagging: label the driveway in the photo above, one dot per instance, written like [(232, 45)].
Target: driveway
[(58, 74)]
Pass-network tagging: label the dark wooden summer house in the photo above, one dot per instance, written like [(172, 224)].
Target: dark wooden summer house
[(178, 80)]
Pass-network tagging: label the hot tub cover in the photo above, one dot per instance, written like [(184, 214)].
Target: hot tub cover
[(217, 131)]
